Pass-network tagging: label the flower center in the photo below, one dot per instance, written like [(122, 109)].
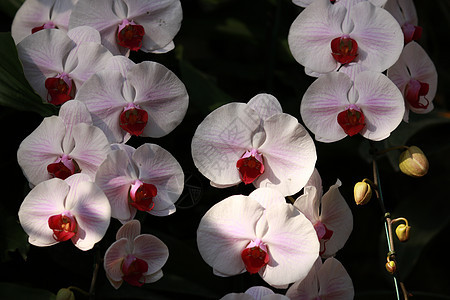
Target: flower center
[(141, 195), (133, 269), (60, 89), (133, 120), (255, 256), (130, 35), (63, 167), (351, 120), (250, 166), (414, 90), (47, 25), (411, 32), (344, 49), (64, 226), (324, 234)]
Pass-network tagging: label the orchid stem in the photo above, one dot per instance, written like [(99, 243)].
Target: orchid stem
[(388, 226), (94, 274), (390, 149)]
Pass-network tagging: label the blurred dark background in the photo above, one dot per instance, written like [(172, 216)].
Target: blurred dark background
[(231, 50)]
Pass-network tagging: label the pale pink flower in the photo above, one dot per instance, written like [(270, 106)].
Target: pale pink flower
[(259, 233), (35, 15), (148, 179), (404, 11), (57, 210), (255, 293), (131, 24), (329, 213), (329, 281), (63, 145), (326, 36), (134, 258), (254, 143), (125, 99), (334, 106), (415, 75)]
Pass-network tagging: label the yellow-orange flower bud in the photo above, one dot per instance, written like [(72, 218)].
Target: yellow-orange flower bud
[(413, 162), (402, 232), (391, 267), (65, 294), (362, 192)]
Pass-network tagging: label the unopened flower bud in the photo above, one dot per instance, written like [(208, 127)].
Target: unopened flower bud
[(362, 192), (413, 162), (65, 294), (391, 267), (402, 232)]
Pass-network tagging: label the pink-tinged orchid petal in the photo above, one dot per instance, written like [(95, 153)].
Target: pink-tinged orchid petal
[(224, 232), (72, 113), (415, 64), (221, 139), (112, 263), (87, 202), (329, 280), (152, 250), (289, 153), (404, 11), (267, 197), (130, 231), (84, 34), (161, 94), (91, 148), (42, 56), (36, 13), (265, 105), (255, 293), (41, 148), (292, 245), (43, 201), (158, 167), (115, 176), (161, 21), (311, 33), (379, 37), (153, 277), (381, 102), (325, 98)]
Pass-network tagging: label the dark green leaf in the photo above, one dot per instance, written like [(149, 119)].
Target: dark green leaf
[(20, 292)]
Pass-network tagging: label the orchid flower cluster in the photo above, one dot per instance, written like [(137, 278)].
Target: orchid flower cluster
[(80, 170), (370, 74)]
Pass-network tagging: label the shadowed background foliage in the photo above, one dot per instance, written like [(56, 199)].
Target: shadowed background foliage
[(231, 50)]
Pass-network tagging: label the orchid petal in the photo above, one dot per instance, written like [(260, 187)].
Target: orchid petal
[(381, 102), (87, 202), (153, 277), (158, 167), (265, 105), (289, 154), (325, 98), (84, 34), (403, 11), (334, 281), (308, 288), (91, 148), (114, 257), (379, 36), (267, 197), (237, 296), (292, 245), (115, 176), (73, 112), (337, 216), (225, 230), (221, 139), (152, 250), (311, 34), (41, 148), (129, 230), (162, 94), (44, 200), (42, 55)]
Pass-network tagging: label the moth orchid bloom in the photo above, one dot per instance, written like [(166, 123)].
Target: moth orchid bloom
[(133, 25), (415, 75), (334, 106), (259, 233), (329, 213), (58, 210), (326, 36), (255, 293), (134, 258), (35, 15), (126, 99), (56, 63), (329, 280), (254, 143), (305, 3), (148, 179), (63, 145), (405, 13)]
